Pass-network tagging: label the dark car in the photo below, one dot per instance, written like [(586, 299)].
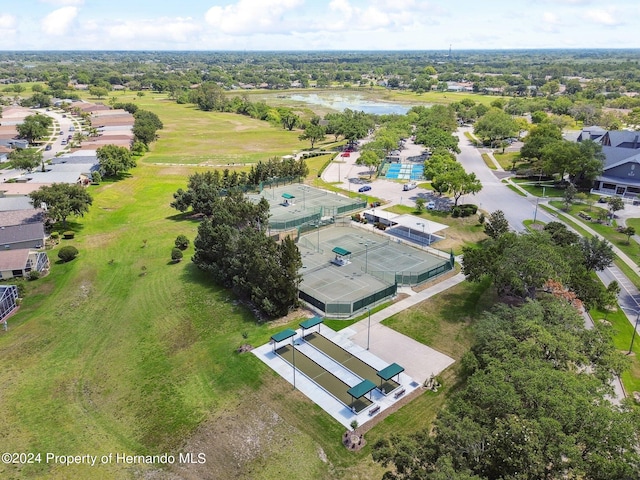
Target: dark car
[(602, 200), (47, 148), (365, 188)]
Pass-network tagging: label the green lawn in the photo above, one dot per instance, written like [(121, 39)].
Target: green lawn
[(506, 160), (193, 137), (609, 232), (488, 162), (623, 331)]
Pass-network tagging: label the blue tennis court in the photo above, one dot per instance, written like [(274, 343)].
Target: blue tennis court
[(405, 171)]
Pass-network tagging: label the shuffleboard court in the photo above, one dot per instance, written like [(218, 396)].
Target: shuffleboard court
[(323, 378), (350, 361)]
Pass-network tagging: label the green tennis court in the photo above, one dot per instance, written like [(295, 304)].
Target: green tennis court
[(350, 362), (323, 378)]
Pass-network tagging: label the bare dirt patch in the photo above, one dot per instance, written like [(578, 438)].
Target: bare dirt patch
[(236, 443)]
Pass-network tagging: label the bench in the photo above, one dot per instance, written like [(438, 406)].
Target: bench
[(374, 410), (399, 393)]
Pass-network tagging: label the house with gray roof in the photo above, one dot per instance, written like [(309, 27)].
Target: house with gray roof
[(621, 173), (21, 217), (29, 235), (16, 202)]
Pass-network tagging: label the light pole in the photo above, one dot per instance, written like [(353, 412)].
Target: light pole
[(535, 213), (635, 328), (293, 346), (318, 228), (366, 257), (368, 327), (420, 223)]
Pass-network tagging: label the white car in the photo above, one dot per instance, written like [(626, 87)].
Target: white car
[(431, 205)]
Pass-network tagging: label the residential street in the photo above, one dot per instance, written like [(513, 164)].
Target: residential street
[(495, 195)]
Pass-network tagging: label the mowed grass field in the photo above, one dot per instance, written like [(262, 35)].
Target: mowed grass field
[(123, 352), (193, 137)]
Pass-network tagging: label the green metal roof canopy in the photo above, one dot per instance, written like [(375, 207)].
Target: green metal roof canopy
[(288, 196), (361, 389), (312, 322), (390, 371), (341, 251), (283, 335)]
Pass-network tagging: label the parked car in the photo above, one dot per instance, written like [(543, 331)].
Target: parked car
[(602, 200), (47, 148), (60, 132), (64, 142), (346, 154), (409, 186), (431, 205), (364, 188)]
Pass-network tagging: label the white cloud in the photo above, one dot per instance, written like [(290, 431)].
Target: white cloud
[(251, 16), (7, 21), (550, 18), (159, 29), (392, 15), (602, 17), (64, 3), (58, 21)]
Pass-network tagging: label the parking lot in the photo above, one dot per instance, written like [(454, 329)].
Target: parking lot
[(352, 177)]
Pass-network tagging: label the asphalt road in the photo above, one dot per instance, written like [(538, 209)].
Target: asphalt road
[(495, 195)]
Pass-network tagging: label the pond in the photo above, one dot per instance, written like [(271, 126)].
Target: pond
[(339, 102)]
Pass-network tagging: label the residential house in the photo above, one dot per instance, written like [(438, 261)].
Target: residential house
[(18, 263), (8, 302), (621, 174), (14, 237)]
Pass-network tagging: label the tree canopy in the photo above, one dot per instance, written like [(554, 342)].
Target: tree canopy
[(34, 127), (62, 200), (527, 409), (496, 125), (519, 265), (232, 246), (115, 160), (25, 158)]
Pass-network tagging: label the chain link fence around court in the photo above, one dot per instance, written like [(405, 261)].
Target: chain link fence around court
[(348, 307), (412, 278), (295, 222)]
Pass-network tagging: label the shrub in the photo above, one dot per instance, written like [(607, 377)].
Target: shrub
[(182, 242), (470, 207), (465, 210), (33, 275), (96, 177), (176, 254), (55, 235), (68, 235), (68, 253)]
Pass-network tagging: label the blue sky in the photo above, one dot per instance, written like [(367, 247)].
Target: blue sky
[(317, 24)]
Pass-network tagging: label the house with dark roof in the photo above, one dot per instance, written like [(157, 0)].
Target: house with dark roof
[(29, 235), (621, 174), (20, 217)]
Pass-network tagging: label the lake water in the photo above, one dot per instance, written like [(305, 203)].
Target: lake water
[(356, 102)]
